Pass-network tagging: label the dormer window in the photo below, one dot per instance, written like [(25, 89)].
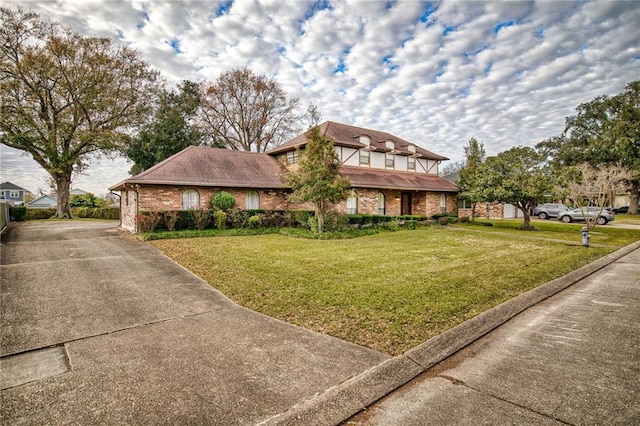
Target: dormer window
[(412, 149), (365, 141), (389, 145)]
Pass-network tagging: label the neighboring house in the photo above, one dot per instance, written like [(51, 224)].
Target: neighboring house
[(488, 210), (43, 202), (389, 175), (13, 194), (51, 201)]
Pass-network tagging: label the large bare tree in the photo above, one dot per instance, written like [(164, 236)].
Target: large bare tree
[(248, 112), (65, 98)]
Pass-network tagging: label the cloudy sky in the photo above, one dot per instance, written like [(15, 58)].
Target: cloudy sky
[(434, 73)]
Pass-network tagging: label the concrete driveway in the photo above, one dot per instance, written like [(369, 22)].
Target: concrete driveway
[(98, 328)]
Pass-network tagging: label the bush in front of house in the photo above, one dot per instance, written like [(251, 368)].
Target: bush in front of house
[(18, 214), (223, 201), (221, 219), (255, 221)]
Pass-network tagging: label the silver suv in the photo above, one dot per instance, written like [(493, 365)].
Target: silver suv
[(547, 210)]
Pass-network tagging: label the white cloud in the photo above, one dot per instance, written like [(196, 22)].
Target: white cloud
[(438, 74)]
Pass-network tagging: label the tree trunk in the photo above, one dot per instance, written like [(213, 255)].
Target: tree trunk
[(473, 211), (63, 183), (634, 197), (320, 216)]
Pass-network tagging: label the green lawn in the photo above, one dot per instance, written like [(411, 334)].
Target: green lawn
[(393, 290)]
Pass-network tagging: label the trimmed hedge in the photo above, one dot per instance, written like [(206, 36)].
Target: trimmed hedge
[(19, 214)]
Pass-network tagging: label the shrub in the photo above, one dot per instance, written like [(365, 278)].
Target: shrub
[(170, 220), (443, 220), (223, 201), (255, 222), (464, 219), (221, 219), (300, 218), (392, 225), (148, 221), (35, 214), (411, 224), (18, 214), (239, 218), (201, 218), (354, 219)]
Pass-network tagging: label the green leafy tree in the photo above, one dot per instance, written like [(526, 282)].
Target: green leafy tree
[(247, 112), (605, 131), (65, 98), (87, 200), (171, 130), (317, 179), (519, 176), (470, 188)]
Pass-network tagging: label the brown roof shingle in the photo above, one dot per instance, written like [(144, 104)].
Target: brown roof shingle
[(362, 177), (202, 166), (346, 135)]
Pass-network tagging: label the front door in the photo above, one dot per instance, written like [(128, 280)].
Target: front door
[(405, 203)]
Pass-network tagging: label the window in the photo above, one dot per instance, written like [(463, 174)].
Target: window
[(14, 194), (365, 141), (411, 163), (443, 203), (352, 203), (464, 204), (293, 156), (390, 160), (365, 157), (190, 200), (252, 201), (381, 207)]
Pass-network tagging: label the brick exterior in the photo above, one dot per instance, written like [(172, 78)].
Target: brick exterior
[(423, 203)]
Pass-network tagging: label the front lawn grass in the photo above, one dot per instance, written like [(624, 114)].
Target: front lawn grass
[(389, 291)]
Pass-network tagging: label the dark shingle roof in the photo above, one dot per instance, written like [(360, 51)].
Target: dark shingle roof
[(346, 135), (13, 186), (362, 177), (202, 166)]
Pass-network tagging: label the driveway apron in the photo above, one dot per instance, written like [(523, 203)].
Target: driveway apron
[(98, 328)]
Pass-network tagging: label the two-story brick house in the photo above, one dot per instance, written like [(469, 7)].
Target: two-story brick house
[(389, 175)]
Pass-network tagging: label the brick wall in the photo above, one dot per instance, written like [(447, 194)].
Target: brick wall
[(159, 197)]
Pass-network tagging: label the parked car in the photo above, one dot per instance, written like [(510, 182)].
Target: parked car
[(604, 216), (547, 210), (623, 209)]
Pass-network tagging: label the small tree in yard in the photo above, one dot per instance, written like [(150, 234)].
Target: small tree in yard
[(469, 174), (317, 179), (518, 176), (590, 186)]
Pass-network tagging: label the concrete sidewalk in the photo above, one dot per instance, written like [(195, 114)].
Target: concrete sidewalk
[(97, 328)]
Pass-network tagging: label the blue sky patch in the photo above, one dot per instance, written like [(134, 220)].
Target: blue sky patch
[(429, 9), (501, 25), (448, 29), (539, 33), (318, 6), (224, 8), (175, 45), (341, 67)]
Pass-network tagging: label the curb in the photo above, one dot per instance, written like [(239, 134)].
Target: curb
[(339, 403)]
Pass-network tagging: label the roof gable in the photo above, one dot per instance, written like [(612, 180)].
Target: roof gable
[(11, 186), (346, 135)]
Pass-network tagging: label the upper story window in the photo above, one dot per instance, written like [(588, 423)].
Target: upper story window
[(365, 157), (14, 194), (390, 145), (411, 163), (293, 156), (411, 149), (190, 199), (252, 201), (390, 160), (365, 141)]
